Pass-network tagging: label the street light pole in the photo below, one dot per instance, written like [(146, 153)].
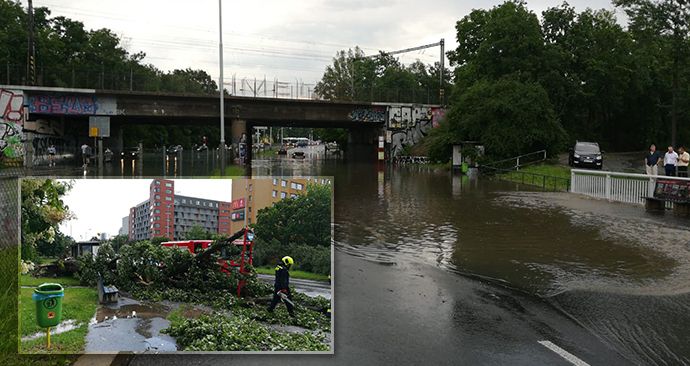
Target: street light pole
[(220, 86)]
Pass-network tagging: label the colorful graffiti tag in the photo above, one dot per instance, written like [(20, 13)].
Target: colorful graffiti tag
[(409, 125), (11, 123), (63, 104), (377, 114)]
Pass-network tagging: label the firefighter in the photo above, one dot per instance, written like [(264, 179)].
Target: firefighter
[(282, 285)]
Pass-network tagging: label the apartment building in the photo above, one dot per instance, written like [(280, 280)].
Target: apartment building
[(251, 195), (168, 215)]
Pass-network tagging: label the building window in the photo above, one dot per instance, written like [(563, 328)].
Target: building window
[(184, 200), (158, 196), (250, 188), (275, 181), (293, 196), (197, 202), (158, 203), (158, 182), (249, 198), (283, 194), (168, 185), (293, 185), (168, 198), (274, 193), (168, 191), (283, 183), (298, 186)]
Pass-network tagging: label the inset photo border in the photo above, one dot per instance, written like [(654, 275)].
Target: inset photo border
[(160, 265)]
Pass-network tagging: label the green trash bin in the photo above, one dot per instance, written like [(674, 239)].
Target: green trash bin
[(464, 168), (48, 299)]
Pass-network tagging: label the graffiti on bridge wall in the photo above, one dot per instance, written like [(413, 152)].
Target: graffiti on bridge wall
[(72, 104), (409, 125), (375, 114), (41, 143), (11, 123)]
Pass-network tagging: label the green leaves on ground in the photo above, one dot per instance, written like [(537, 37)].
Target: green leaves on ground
[(239, 333)]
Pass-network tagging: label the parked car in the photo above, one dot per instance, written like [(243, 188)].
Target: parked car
[(282, 151), (174, 149), (298, 155), (130, 153), (586, 154)]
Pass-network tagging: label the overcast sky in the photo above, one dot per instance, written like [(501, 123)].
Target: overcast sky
[(100, 204), (285, 39)]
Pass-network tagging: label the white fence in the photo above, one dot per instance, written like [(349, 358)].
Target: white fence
[(612, 186)]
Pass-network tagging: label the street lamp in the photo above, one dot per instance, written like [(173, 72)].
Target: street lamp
[(220, 86)]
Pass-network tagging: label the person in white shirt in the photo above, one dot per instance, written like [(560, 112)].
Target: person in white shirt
[(683, 160), (670, 161)]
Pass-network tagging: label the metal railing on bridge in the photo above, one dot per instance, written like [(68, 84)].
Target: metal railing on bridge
[(613, 186), (138, 80)]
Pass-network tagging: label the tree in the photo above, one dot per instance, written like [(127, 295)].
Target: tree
[(305, 219), (197, 233), (118, 242), (509, 116), (42, 211), (669, 20)]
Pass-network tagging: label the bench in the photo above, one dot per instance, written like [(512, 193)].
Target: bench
[(107, 294), (674, 191)]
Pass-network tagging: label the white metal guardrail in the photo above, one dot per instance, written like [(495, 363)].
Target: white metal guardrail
[(613, 186)]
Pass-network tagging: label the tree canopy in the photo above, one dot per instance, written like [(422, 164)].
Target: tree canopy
[(589, 77)]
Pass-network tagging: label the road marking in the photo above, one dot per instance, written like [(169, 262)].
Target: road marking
[(563, 353)]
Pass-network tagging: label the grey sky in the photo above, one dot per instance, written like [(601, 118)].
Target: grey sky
[(100, 204), (284, 39)]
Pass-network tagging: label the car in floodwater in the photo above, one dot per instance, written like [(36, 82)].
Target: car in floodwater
[(129, 153), (174, 149), (282, 151), (586, 154), (298, 155)]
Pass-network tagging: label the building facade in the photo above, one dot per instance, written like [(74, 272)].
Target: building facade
[(170, 216), (251, 195)]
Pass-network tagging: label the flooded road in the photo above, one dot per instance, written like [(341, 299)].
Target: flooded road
[(616, 270), (187, 163)]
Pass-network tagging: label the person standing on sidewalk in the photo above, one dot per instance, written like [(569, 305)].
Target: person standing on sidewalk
[(670, 161), (651, 161), (683, 160)]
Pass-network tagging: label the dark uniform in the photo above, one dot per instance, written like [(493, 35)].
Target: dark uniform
[(282, 284)]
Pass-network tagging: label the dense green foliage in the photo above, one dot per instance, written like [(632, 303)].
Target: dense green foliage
[(42, 210), (521, 81), (352, 76), (299, 227)]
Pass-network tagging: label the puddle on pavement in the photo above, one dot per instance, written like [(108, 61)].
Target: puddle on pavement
[(144, 311), (130, 326)]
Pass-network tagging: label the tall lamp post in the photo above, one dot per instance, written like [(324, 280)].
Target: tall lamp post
[(220, 86)]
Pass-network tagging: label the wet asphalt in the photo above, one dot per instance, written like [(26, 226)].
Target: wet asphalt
[(414, 313)]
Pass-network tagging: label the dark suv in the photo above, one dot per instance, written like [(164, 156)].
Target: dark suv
[(586, 154)]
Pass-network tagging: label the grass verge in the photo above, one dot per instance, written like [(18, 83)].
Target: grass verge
[(294, 274), (549, 176), (29, 280), (230, 171), (79, 304)]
